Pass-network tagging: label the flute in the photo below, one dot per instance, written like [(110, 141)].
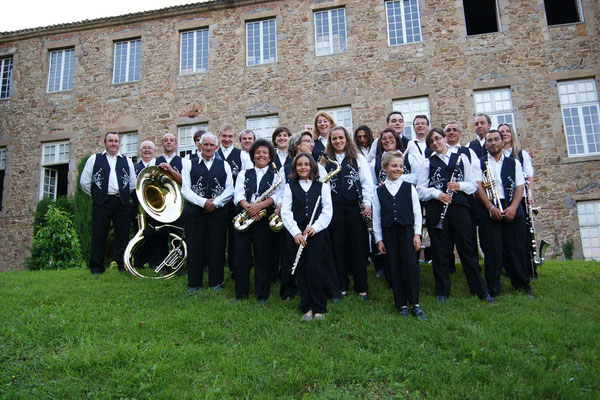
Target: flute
[(301, 247)]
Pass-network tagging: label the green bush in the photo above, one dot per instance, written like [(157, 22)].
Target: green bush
[(567, 248), (63, 203), (55, 245), (82, 210)]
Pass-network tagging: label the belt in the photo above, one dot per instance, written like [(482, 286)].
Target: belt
[(116, 196)]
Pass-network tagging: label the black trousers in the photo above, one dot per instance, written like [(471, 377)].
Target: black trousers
[(281, 256), (331, 281), (349, 238), (259, 237), (205, 231), (120, 215), (309, 273), (403, 268), (232, 212), (457, 230), (504, 239)]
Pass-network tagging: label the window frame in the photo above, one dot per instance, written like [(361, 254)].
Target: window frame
[(65, 82), (194, 54), (185, 141), (6, 75), (497, 115), (403, 22), (334, 111), (331, 47), (589, 239), (398, 105), (262, 40), (47, 166), (265, 129), (137, 73), (127, 146), (580, 105)]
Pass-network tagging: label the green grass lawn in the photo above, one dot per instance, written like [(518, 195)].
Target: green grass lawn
[(69, 335)]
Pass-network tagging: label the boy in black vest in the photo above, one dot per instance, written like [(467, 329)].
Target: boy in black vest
[(109, 177), (503, 232)]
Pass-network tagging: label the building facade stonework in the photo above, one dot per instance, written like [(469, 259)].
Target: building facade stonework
[(369, 76)]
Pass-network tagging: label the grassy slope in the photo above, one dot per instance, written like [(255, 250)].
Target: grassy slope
[(66, 334)]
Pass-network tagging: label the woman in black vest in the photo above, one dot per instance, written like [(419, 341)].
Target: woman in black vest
[(250, 185), (321, 127), (299, 200), (351, 192), (397, 224)]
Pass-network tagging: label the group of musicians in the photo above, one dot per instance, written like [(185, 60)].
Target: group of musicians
[(344, 201)]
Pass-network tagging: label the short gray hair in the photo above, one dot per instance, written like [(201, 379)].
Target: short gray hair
[(209, 135)]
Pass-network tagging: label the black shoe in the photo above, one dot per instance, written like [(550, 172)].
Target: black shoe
[(418, 313), (335, 300), (193, 289), (365, 297), (532, 297), (488, 298), (441, 298), (403, 311)]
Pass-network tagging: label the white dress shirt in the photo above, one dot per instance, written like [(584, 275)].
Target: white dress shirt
[(192, 197), (393, 187), (279, 199), (527, 164), (240, 194), (365, 175), (417, 149), (475, 162), (150, 163), (244, 156), (373, 150), (468, 186), (113, 184), (496, 166), (171, 157), (282, 155), (288, 216)]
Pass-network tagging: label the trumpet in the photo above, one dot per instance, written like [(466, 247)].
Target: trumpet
[(242, 221), (491, 190), (450, 193)]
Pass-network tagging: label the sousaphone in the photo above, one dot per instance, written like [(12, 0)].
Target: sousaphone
[(159, 197)]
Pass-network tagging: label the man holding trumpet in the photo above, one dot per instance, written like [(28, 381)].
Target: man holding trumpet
[(502, 221)]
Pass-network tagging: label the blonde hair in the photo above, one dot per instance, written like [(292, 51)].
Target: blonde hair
[(388, 157), (316, 133)]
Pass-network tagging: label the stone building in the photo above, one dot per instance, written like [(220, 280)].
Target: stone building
[(259, 64)]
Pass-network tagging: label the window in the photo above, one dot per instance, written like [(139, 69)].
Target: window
[(341, 116), (589, 227), (6, 66), (263, 127), (330, 31), (579, 106), (60, 71), (129, 144), (403, 22), (193, 51), (55, 170), (481, 16), (496, 103), (185, 138), (127, 61), (2, 171), (261, 42), (562, 11), (410, 108)]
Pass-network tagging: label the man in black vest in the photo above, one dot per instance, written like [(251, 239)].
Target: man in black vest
[(482, 123), (417, 146), (503, 233), (207, 188), (170, 162), (144, 252), (109, 177)]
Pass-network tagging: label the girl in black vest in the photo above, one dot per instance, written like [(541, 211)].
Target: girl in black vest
[(321, 127), (299, 200), (250, 185), (351, 191), (397, 224)]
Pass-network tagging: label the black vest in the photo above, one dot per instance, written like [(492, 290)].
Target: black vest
[(303, 202), (234, 160), (379, 172), (512, 155), (345, 186), (318, 150), (287, 169), (396, 209), (288, 160), (250, 186), (139, 167), (428, 151), (477, 148), (175, 163), (100, 174), (440, 174), (465, 150), (507, 175), (207, 183)]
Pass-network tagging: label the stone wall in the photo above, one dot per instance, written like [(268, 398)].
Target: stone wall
[(526, 55)]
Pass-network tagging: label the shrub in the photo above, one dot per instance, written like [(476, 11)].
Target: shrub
[(82, 210), (55, 245), (63, 203), (567, 248)]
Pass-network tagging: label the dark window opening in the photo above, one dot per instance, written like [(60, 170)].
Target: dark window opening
[(62, 183), (480, 16), (561, 11), (1, 186)]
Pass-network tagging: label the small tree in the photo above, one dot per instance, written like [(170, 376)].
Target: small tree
[(55, 245), (82, 219)]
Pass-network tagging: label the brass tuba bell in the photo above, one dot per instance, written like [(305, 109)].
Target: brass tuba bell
[(159, 197)]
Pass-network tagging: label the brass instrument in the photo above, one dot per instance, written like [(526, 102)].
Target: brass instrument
[(242, 221), (537, 256), (491, 190), (160, 197), (450, 193), (301, 247), (275, 221)]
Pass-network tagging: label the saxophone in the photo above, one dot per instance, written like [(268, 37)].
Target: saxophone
[(242, 221)]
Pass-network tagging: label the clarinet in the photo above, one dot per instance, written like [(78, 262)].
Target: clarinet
[(368, 220), (301, 247), (440, 224)]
